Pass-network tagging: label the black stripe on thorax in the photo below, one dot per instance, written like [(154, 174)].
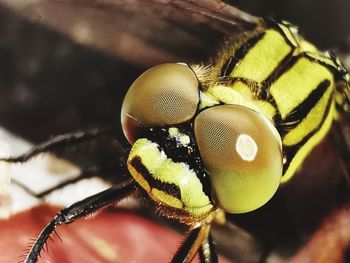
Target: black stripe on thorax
[(281, 68), (303, 109), (168, 188), (240, 53), (271, 23), (285, 64), (339, 71), (290, 151)]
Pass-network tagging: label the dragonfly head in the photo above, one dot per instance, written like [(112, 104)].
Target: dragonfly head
[(226, 156)]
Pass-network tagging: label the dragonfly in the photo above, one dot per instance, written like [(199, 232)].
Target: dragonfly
[(226, 88)]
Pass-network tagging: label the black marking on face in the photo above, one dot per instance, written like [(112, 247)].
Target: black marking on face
[(168, 188), (188, 154)]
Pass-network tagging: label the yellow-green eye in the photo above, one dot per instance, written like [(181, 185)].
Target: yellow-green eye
[(163, 95), (242, 154)]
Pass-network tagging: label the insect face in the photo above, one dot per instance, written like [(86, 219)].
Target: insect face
[(197, 159)]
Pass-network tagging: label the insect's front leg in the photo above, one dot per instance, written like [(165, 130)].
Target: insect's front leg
[(59, 142), (82, 208), (207, 252), (198, 239)]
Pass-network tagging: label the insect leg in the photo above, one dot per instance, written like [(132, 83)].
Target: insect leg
[(190, 246), (85, 174), (82, 208), (207, 252), (57, 142)]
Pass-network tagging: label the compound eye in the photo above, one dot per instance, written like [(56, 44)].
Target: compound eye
[(164, 95), (241, 151)]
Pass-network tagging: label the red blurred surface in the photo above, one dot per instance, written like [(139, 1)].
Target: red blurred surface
[(107, 237), (330, 242)]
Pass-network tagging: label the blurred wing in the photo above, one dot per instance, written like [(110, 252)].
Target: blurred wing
[(76, 59)]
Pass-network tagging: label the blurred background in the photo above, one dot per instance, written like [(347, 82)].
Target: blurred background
[(66, 65)]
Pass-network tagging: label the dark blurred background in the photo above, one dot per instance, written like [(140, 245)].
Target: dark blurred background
[(324, 22)]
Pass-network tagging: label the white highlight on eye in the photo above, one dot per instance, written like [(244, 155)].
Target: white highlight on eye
[(246, 147)]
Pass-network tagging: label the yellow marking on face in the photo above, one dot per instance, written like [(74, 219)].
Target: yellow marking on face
[(179, 137), (152, 159), (192, 195), (193, 199), (173, 132), (166, 198)]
